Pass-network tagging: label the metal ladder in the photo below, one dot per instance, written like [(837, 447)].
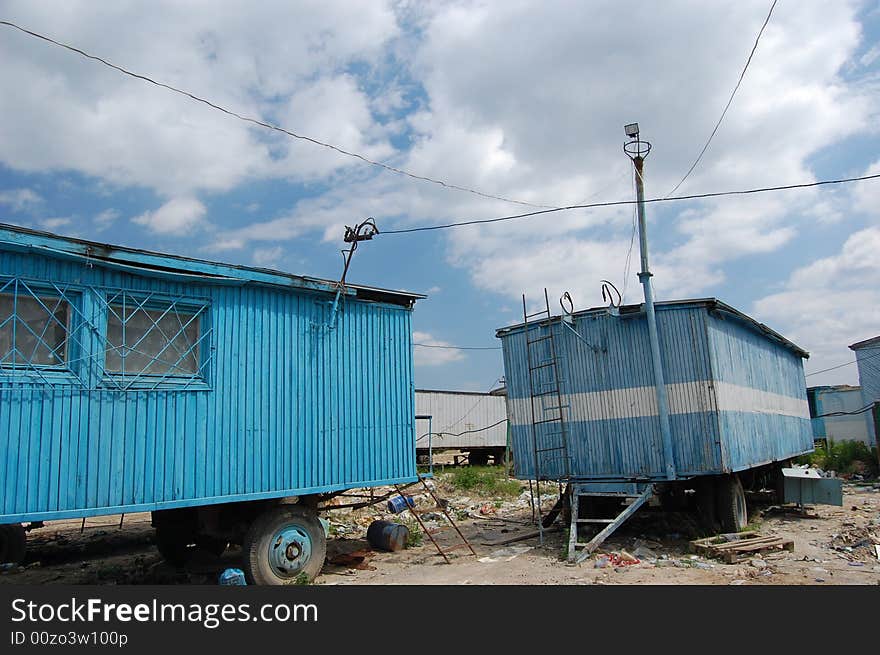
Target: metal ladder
[(630, 497), (548, 421)]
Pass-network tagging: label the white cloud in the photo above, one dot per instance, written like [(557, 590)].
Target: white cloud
[(514, 111), (72, 114), (53, 224), (19, 200), (434, 356), (177, 216), (521, 99), (268, 257), (105, 219), (829, 304)]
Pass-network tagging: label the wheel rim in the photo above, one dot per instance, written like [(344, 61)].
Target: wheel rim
[(289, 551)]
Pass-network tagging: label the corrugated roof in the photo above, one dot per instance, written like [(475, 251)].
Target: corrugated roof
[(711, 304), (156, 264), (874, 341)]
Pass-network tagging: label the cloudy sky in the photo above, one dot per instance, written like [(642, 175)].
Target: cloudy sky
[(524, 100)]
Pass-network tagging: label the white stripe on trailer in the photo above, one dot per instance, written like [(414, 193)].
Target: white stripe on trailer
[(684, 398)]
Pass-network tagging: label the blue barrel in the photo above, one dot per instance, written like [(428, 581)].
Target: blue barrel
[(399, 503), (233, 577), (385, 535)]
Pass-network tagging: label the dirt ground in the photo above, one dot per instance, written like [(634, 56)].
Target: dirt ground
[(832, 546)]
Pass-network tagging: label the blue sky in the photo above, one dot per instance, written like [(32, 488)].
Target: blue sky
[(524, 100)]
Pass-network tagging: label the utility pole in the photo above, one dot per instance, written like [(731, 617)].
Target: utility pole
[(637, 150)]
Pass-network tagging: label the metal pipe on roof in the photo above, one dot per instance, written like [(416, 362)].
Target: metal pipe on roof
[(638, 159)]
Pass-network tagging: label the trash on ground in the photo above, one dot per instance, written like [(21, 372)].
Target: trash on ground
[(354, 560), (739, 546)]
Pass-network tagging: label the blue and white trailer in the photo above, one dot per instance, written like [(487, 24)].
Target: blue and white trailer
[(583, 404), (868, 361), (227, 400)]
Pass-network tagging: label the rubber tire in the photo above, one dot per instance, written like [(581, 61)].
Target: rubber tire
[(174, 545), (423, 460), (255, 548), (13, 543), (731, 507), (478, 458)]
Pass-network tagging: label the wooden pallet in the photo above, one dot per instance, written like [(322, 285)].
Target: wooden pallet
[(738, 546)]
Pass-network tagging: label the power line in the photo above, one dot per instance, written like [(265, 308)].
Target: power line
[(431, 345), (632, 240), (855, 411), (482, 398), (729, 101), (270, 126), (459, 434), (618, 203), (855, 361)]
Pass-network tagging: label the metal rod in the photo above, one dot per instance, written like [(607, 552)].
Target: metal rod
[(645, 279), (430, 447)]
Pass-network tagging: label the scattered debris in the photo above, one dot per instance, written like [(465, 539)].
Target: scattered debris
[(354, 560), (621, 558), (736, 547)]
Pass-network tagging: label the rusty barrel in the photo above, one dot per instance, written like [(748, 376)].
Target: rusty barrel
[(385, 535)]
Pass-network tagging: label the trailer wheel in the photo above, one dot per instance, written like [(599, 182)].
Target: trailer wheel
[(732, 511), (478, 458), (13, 543), (284, 545)]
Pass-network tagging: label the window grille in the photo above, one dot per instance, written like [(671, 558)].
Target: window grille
[(35, 328), (55, 334), (151, 340)]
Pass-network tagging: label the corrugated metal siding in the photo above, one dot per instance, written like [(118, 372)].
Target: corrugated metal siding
[(613, 418), (612, 424), (839, 428), (290, 408), (772, 424), (868, 358), (453, 413)]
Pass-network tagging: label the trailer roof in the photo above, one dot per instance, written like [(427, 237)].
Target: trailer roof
[(156, 264), (711, 304), (873, 341)]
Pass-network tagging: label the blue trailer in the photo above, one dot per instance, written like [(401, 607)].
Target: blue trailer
[(583, 407), (229, 401), (868, 362)]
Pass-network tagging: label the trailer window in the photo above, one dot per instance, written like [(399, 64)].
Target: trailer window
[(33, 330), (153, 339)]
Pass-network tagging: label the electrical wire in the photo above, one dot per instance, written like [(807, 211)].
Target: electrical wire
[(431, 345), (852, 413), (729, 101), (831, 368), (618, 203), (482, 398), (270, 126), (632, 240), (459, 434)]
